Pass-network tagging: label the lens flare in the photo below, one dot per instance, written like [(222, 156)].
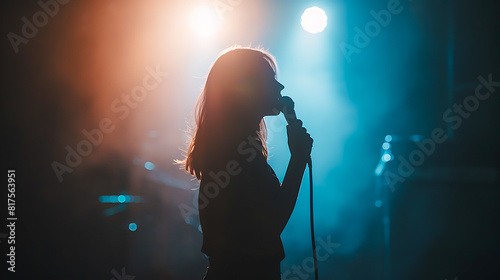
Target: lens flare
[(314, 20)]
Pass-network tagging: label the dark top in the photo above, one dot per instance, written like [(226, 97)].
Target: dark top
[(239, 208)]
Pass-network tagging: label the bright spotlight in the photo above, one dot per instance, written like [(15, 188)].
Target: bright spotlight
[(314, 20), (204, 21)]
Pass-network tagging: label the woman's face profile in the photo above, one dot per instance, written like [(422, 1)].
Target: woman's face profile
[(268, 92)]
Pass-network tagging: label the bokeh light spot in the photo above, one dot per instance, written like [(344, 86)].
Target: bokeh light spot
[(386, 157), (149, 165), (132, 226)]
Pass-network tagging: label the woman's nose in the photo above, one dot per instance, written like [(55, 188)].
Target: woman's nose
[(280, 86)]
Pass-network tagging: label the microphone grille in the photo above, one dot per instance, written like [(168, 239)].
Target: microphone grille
[(287, 103)]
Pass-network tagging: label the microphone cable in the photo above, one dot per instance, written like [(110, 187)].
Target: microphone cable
[(287, 106), (311, 210)]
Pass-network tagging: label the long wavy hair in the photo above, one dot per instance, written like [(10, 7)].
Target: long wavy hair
[(224, 112)]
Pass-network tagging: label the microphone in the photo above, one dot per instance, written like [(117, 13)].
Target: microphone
[(287, 107)]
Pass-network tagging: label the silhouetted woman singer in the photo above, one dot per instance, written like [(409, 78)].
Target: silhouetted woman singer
[(243, 207)]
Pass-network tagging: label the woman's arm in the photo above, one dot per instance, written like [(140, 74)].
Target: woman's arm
[(300, 144)]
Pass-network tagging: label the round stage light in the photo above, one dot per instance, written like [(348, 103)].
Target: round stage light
[(314, 20), (204, 21)]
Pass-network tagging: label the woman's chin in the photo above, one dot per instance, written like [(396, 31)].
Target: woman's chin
[(273, 112)]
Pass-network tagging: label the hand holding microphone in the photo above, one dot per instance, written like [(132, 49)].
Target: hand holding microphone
[(299, 141)]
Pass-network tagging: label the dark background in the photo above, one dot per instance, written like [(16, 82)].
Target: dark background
[(444, 218)]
